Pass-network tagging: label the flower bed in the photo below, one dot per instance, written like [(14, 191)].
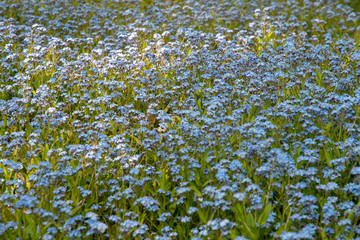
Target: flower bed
[(144, 119)]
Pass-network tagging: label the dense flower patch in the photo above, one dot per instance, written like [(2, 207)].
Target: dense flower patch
[(144, 119)]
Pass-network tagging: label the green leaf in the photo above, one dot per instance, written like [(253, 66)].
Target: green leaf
[(233, 139), (197, 191), (249, 227), (90, 201), (77, 209), (240, 217), (206, 215), (189, 51), (44, 154), (199, 104), (3, 126), (323, 235), (202, 216), (31, 228), (280, 230), (164, 182), (351, 215), (265, 214), (250, 220), (142, 218)]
